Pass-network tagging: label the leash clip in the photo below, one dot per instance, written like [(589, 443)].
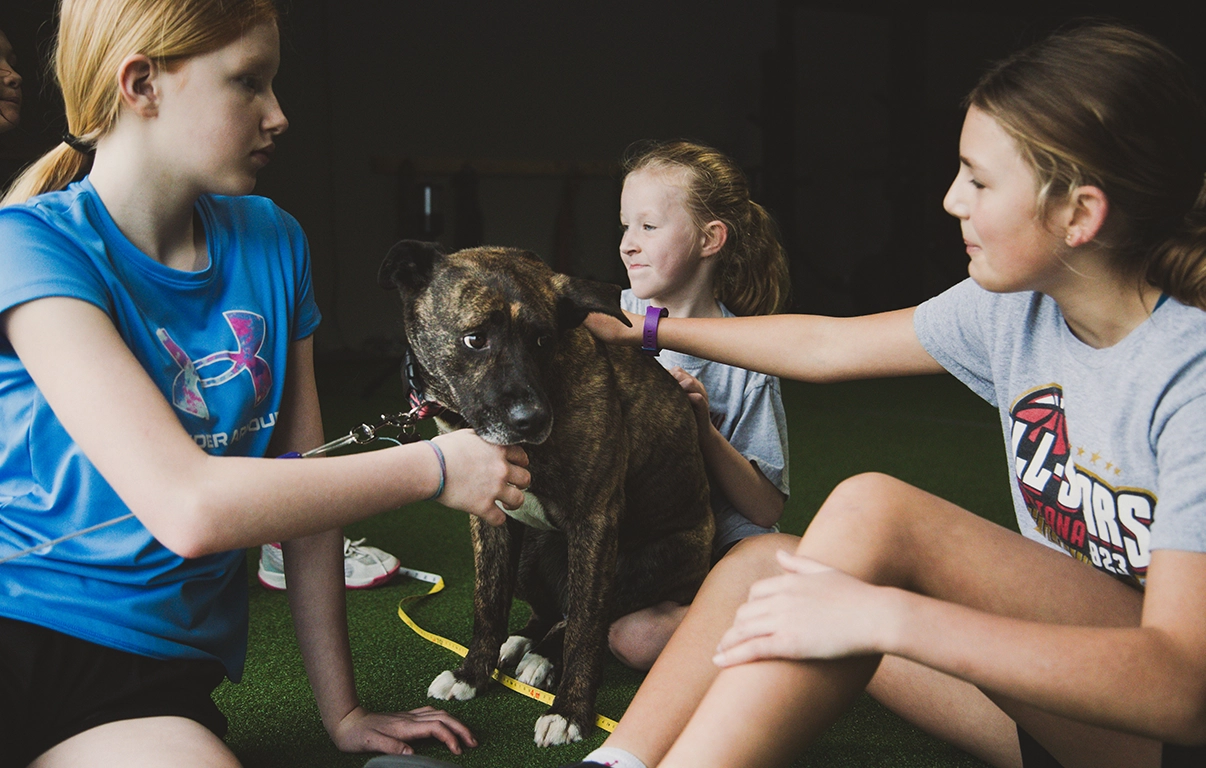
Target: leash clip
[(404, 421)]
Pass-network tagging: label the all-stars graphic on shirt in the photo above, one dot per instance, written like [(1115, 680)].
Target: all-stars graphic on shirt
[(1074, 506), (249, 331)]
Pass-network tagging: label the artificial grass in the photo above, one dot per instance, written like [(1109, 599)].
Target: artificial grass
[(929, 431)]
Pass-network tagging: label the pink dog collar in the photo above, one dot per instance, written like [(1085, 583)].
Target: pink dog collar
[(649, 339)]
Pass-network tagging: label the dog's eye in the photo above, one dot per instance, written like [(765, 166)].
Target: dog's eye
[(475, 340), (544, 341)]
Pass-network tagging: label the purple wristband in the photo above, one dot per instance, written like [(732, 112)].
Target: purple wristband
[(649, 337)]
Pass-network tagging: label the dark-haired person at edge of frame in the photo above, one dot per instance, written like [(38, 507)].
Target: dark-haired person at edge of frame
[(10, 86)]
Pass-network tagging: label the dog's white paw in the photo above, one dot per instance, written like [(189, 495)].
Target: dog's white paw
[(555, 730), (513, 650), (446, 687), (535, 670)]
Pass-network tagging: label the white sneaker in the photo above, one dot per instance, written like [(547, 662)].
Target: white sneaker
[(272, 566), (363, 566)]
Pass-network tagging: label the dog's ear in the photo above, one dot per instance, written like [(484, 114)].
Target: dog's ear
[(577, 298), (408, 265)]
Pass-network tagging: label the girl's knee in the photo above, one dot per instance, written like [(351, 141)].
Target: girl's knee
[(619, 640), (866, 490), (638, 638), (754, 554), (867, 503), (865, 519), (624, 640)]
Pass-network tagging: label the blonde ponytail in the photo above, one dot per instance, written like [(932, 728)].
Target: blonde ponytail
[(53, 170)]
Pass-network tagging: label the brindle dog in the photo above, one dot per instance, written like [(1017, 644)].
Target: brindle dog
[(497, 338)]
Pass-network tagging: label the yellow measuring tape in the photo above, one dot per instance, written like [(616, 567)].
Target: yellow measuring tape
[(437, 584)]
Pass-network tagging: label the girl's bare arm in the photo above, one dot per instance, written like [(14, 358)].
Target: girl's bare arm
[(195, 503), (1149, 679), (801, 347), (314, 572)]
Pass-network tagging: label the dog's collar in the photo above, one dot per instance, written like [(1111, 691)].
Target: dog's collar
[(415, 395)]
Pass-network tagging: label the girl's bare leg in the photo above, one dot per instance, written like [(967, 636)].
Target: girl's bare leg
[(885, 532), (948, 708), (962, 715), (640, 637), (149, 742), (684, 670)]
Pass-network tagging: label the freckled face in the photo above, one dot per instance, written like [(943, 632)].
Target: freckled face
[(10, 87), (661, 244), (218, 115), (995, 198)]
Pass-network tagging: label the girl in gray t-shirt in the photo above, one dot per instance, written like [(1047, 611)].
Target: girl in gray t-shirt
[(695, 245), (1082, 203)]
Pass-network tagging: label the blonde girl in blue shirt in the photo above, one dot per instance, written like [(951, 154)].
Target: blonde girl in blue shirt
[(156, 345)]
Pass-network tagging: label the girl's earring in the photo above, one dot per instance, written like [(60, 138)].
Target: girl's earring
[(1068, 239)]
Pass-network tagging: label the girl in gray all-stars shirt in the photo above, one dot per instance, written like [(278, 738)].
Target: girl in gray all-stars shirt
[(1082, 203)]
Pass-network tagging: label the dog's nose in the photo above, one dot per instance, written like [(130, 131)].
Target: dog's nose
[(528, 417)]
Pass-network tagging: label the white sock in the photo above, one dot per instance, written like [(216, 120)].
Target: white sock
[(616, 758)]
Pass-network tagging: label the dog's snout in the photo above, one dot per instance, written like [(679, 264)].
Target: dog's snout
[(528, 417)]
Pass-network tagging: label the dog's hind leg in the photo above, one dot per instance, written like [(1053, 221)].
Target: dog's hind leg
[(495, 557)]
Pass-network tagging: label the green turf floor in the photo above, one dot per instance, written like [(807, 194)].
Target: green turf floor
[(929, 431)]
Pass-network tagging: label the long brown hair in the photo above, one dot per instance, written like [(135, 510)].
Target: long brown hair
[(1107, 106), (752, 276), (95, 36)]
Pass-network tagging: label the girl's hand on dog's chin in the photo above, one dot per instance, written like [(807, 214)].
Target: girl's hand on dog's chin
[(478, 473), (609, 329)]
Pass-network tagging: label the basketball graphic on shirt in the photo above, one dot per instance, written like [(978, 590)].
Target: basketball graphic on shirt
[(1071, 505)]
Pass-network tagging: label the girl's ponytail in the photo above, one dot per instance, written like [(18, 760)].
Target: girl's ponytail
[(753, 278), (1178, 265), (52, 171)]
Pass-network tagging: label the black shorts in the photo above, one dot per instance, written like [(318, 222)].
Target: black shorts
[(54, 686), (1175, 756)]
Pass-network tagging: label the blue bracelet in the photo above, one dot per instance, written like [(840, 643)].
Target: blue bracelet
[(443, 470)]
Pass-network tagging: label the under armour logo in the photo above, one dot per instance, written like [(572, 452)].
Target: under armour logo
[(248, 329)]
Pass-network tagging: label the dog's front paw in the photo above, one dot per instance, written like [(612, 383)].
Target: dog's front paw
[(446, 687), (555, 730), (535, 670), (513, 650)]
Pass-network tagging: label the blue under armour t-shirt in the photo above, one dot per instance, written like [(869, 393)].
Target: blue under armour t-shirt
[(215, 342)]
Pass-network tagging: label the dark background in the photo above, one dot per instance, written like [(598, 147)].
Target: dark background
[(845, 115)]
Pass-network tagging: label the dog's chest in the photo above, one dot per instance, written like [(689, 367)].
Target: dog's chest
[(531, 513)]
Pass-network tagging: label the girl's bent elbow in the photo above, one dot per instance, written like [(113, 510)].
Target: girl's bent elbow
[(189, 532), (769, 515)]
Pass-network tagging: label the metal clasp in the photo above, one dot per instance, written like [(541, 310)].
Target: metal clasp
[(404, 421)]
